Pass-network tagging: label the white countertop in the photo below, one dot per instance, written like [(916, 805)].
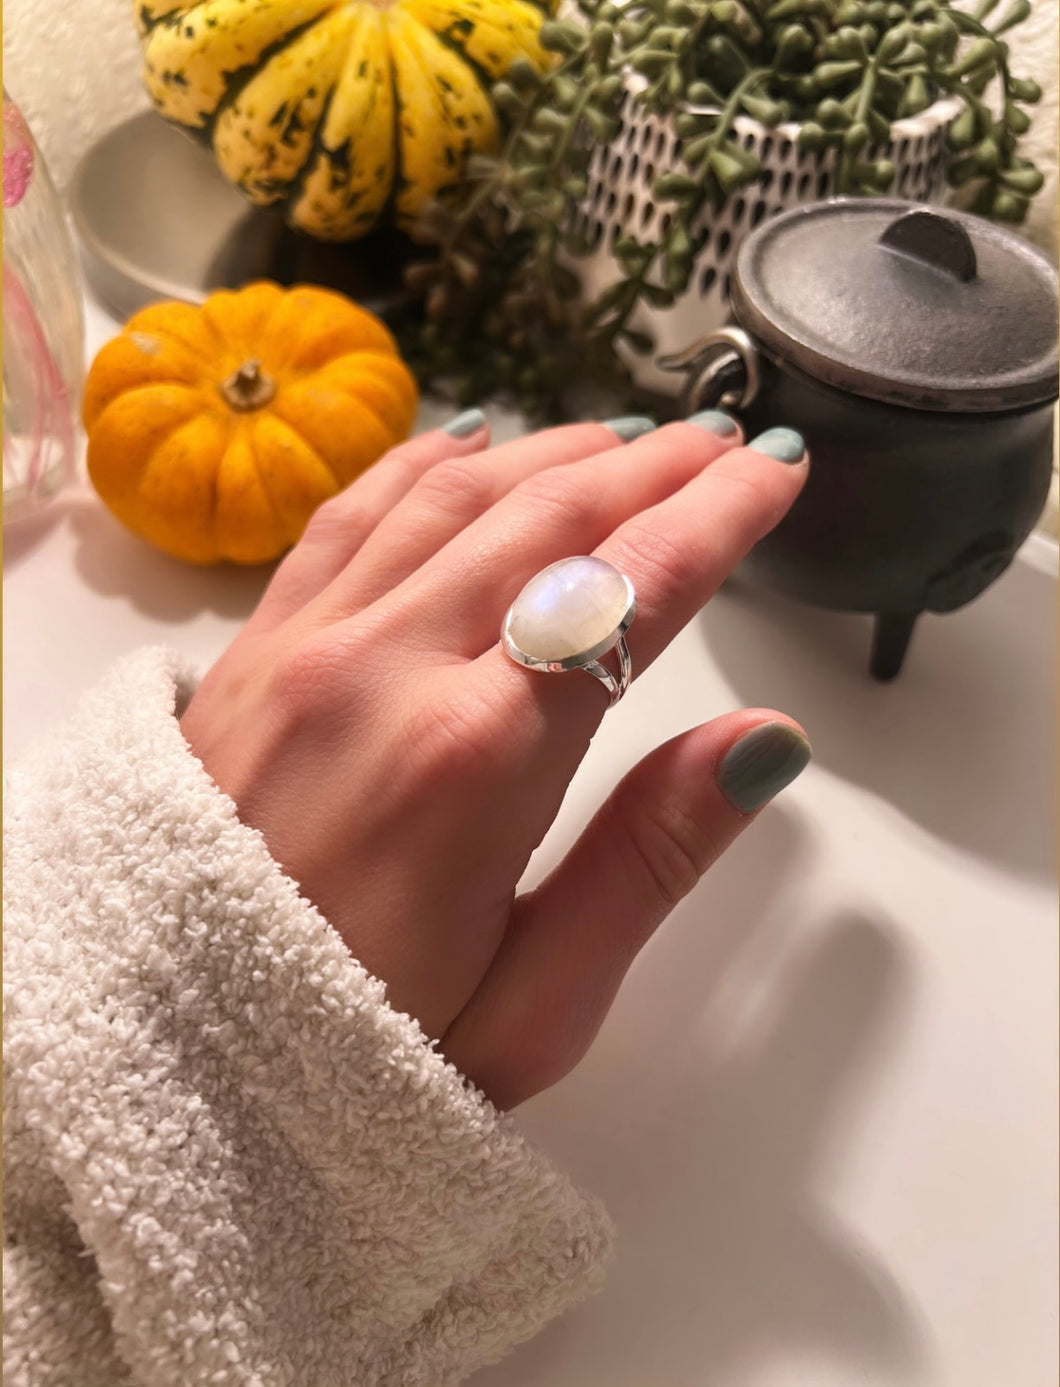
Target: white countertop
[(823, 1111)]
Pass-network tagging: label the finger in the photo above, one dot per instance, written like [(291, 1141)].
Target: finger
[(677, 554), (680, 552), (450, 497), (452, 604), (573, 939), (339, 527)]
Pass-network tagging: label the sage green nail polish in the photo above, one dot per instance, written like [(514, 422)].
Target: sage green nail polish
[(464, 425), (783, 444), (713, 421), (761, 764), (630, 426)]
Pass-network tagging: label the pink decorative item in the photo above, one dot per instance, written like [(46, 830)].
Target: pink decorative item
[(18, 155), (43, 328)]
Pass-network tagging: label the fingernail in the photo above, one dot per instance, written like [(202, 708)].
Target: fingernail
[(630, 426), (713, 421), (783, 444), (464, 425), (761, 764)]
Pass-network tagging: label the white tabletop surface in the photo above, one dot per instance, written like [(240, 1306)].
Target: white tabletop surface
[(823, 1111)]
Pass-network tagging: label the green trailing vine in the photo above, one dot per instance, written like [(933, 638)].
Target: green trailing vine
[(499, 307)]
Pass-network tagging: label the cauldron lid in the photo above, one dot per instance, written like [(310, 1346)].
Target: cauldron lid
[(899, 302)]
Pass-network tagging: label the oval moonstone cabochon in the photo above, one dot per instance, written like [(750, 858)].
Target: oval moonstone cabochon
[(578, 607)]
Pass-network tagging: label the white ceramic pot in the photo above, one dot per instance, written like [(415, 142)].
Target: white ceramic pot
[(619, 201)]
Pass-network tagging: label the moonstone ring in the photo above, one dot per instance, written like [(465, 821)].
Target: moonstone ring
[(568, 616)]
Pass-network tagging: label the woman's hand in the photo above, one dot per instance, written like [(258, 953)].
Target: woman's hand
[(402, 769)]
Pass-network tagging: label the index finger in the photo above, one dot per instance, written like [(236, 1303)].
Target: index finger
[(341, 526)]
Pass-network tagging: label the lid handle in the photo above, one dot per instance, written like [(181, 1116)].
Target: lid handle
[(934, 240)]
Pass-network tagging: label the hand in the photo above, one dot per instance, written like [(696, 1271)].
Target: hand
[(402, 768)]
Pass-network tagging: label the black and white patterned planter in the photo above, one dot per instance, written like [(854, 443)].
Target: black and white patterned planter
[(619, 202)]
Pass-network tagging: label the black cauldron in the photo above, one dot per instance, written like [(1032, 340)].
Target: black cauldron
[(916, 351)]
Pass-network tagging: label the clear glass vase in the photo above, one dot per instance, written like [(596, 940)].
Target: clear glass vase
[(43, 328)]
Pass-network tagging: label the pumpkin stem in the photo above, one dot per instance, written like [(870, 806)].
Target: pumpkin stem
[(248, 388)]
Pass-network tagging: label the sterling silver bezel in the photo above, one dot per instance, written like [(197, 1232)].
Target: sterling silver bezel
[(581, 658)]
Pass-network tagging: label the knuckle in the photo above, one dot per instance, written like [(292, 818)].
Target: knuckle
[(312, 677), (298, 676), (402, 466), (559, 494), (342, 518), (661, 565), (457, 486), (671, 850)]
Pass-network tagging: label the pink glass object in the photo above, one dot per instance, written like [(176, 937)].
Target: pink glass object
[(43, 328)]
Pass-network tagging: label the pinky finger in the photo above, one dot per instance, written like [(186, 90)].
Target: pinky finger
[(339, 528), (572, 940)]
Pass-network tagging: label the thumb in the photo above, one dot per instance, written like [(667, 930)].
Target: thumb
[(572, 940)]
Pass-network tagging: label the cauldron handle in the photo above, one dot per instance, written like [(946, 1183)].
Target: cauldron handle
[(720, 370), (723, 369), (890, 641)]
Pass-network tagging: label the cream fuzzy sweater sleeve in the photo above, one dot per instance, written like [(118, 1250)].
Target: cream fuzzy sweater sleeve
[(227, 1160)]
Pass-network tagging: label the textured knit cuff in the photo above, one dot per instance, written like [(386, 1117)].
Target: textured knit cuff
[(279, 1179)]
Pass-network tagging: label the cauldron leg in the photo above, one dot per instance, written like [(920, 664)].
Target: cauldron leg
[(890, 641)]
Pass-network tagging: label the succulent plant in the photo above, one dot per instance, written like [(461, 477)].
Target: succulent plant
[(502, 308)]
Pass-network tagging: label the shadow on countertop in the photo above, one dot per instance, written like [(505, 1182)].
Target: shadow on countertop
[(116, 563), (712, 1143), (963, 741), (21, 537)]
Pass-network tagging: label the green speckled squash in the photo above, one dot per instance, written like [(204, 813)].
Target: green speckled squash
[(347, 113)]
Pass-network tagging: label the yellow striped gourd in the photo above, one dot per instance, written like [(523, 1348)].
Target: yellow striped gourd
[(346, 113)]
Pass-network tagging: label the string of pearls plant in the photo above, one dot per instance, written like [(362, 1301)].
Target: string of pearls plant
[(500, 304)]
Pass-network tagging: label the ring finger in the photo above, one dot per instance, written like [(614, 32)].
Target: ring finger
[(677, 553)]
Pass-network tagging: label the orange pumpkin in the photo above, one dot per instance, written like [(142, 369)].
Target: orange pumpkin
[(215, 432)]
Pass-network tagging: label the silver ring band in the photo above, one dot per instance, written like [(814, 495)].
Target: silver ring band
[(615, 687), (571, 615)]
